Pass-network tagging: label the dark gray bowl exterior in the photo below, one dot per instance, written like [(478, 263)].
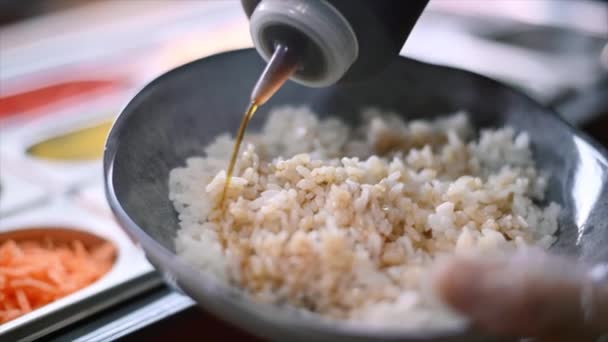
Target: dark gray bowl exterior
[(176, 115)]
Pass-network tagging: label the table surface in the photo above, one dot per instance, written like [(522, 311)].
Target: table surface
[(190, 325), (157, 315)]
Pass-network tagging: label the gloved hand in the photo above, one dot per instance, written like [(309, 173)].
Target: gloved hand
[(530, 294)]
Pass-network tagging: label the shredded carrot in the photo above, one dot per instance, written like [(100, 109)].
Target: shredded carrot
[(35, 273)]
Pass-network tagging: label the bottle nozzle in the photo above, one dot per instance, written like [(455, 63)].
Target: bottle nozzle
[(283, 63)]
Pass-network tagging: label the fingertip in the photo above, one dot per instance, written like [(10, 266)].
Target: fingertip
[(524, 293), (455, 282)]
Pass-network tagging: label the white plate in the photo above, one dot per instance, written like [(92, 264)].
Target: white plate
[(17, 194), (131, 274), (57, 176)]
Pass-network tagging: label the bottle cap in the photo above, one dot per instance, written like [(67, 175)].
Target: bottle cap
[(317, 21)]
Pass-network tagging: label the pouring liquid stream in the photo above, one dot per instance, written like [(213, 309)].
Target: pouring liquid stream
[(282, 64), (253, 107)]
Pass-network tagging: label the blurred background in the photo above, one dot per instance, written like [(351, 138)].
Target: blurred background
[(553, 49), (68, 66)]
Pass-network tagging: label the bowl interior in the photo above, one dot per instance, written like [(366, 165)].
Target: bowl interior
[(175, 116)]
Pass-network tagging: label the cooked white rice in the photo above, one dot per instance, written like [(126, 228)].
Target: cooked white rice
[(345, 222)]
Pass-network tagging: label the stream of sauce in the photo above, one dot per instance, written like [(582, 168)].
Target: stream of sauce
[(253, 107), (283, 63)]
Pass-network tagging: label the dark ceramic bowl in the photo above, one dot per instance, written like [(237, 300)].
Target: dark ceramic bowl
[(179, 113)]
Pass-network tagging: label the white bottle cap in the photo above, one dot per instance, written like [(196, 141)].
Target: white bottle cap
[(318, 21)]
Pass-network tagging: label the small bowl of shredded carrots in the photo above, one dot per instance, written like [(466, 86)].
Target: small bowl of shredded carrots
[(41, 265)]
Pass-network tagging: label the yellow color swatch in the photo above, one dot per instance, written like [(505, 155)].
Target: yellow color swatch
[(81, 145)]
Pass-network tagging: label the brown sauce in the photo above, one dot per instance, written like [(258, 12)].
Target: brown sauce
[(253, 107), (282, 64)]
